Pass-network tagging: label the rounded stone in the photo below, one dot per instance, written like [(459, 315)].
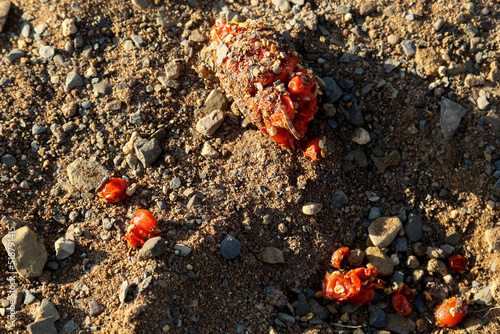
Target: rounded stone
[(383, 230)]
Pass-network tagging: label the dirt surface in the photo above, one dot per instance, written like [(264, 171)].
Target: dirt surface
[(391, 86)]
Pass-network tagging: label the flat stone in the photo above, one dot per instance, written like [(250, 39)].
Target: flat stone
[(312, 209), (73, 80), (37, 129), (30, 255), (152, 248), (483, 103), (214, 101), (230, 247), (492, 237), (472, 325), (47, 310), (383, 231), (114, 105), (282, 5), (492, 119), (272, 255), (182, 250), (483, 296), (47, 51), (453, 238), (414, 227), (393, 39), (172, 70), (9, 160), (65, 247), (95, 308), (4, 11), (303, 306), (332, 92), (14, 54), (45, 326), (209, 124), (339, 199), (399, 324), (147, 151), (472, 80), (86, 175), (28, 297), (451, 115), (367, 8), (123, 291), (391, 159), (379, 260), (102, 88)]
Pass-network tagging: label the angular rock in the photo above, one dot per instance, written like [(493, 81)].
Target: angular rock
[(95, 308), (47, 51), (409, 48), (214, 101), (47, 310), (45, 326), (65, 247), (123, 291), (495, 290), (29, 254), (114, 105), (383, 230), (152, 247), (86, 175), (208, 151), (272, 255), (339, 199), (355, 258), (451, 115), (197, 37), (68, 27), (209, 124), (182, 250), (230, 247), (172, 70), (332, 92), (73, 80), (379, 260), (382, 163), (147, 151), (492, 119), (71, 327), (437, 266), (306, 19), (492, 237), (102, 88), (377, 316)]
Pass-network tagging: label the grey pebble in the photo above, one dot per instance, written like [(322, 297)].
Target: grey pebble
[(303, 306), (182, 250), (37, 129), (230, 247), (95, 308), (28, 297), (409, 47), (453, 238), (414, 228), (209, 124), (14, 54), (65, 247), (399, 324), (70, 327), (123, 291), (374, 213), (271, 255), (175, 183), (73, 80), (147, 151), (46, 310), (451, 115), (483, 296), (377, 317), (47, 51), (9, 160), (333, 93), (339, 199), (153, 247)]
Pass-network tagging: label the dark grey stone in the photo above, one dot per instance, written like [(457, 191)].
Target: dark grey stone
[(95, 308), (9, 161), (14, 54), (333, 93), (401, 244), (409, 47), (453, 238), (398, 324), (147, 151), (44, 326), (377, 316), (152, 248), (451, 115), (339, 199), (302, 306), (230, 247), (414, 228), (73, 80)]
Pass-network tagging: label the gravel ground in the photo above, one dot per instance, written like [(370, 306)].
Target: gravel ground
[(410, 111)]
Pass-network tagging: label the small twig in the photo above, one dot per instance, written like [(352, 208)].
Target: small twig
[(345, 326), (486, 309), (429, 320)]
